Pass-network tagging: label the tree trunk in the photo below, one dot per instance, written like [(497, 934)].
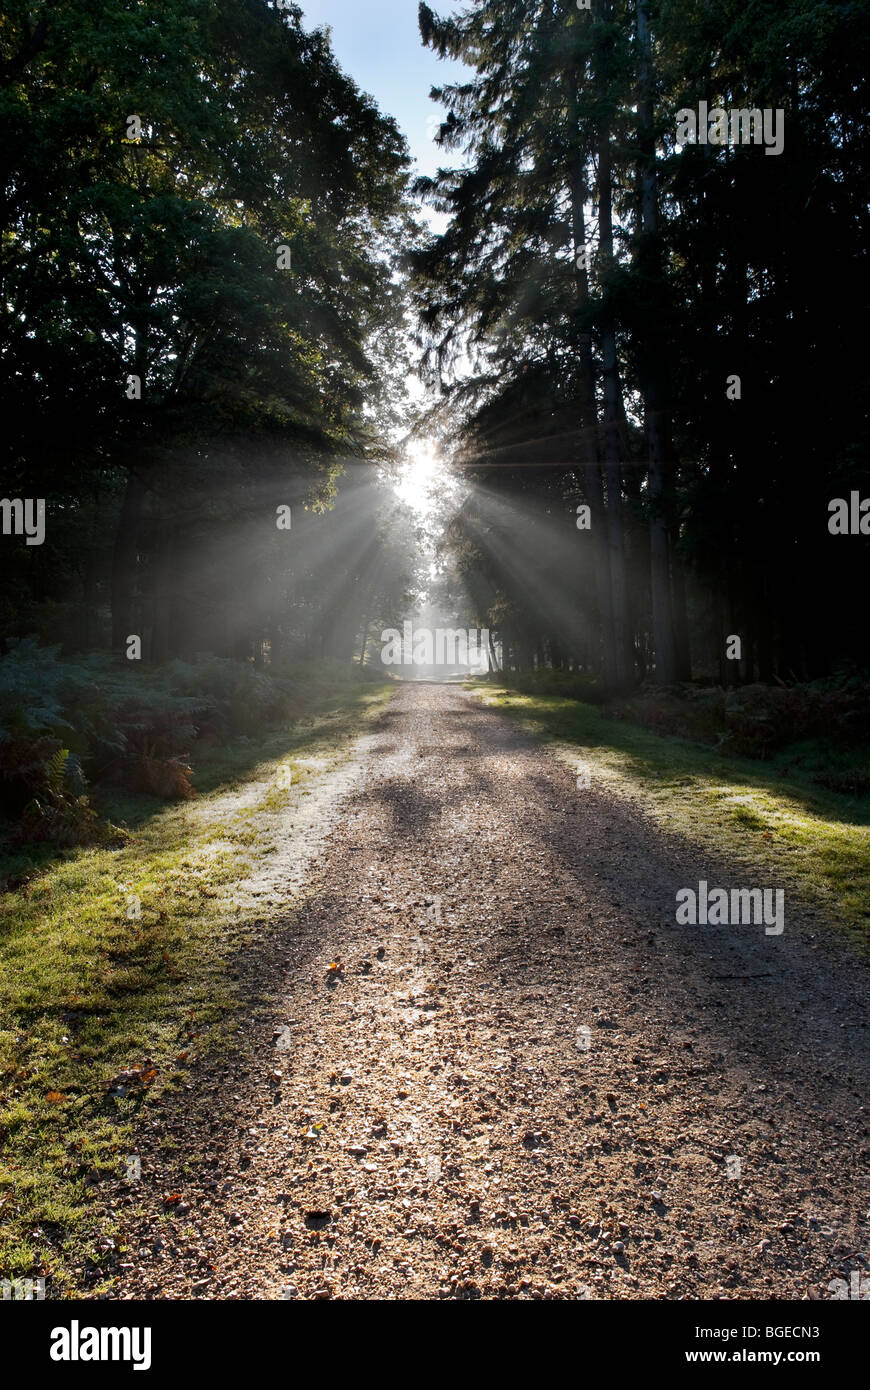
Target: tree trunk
[(680, 611), (125, 559), (588, 433), (649, 263), (163, 599), (611, 443)]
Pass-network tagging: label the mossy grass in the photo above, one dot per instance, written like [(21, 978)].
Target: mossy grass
[(768, 815), (92, 984)]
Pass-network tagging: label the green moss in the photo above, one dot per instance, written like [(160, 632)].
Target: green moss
[(87, 990), (770, 816)]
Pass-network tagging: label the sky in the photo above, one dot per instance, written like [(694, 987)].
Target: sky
[(378, 43)]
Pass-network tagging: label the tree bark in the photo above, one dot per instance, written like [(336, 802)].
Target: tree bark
[(588, 432), (656, 425), (163, 599), (611, 442), (125, 558), (613, 409), (679, 608)]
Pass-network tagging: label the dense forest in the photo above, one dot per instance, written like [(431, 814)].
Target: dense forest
[(208, 254), (643, 358), (669, 335), (203, 326)]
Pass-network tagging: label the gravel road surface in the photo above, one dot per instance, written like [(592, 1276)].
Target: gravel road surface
[(480, 1059)]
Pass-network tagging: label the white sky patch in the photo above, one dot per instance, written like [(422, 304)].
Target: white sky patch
[(432, 491), (421, 477)]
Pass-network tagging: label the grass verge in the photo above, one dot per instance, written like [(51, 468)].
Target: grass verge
[(763, 815), (114, 969)]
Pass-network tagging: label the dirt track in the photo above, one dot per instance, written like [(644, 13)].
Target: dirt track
[(524, 1080)]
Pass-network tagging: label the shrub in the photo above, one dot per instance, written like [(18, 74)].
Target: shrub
[(570, 685), (853, 781), (755, 721), (231, 696), (60, 813), (684, 712), (116, 721), (64, 822), (168, 778)]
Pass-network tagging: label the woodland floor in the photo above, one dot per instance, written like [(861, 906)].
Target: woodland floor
[(523, 1079)]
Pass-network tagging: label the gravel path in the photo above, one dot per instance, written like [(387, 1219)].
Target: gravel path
[(483, 1061)]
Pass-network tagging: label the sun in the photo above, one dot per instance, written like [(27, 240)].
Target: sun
[(419, 476)]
